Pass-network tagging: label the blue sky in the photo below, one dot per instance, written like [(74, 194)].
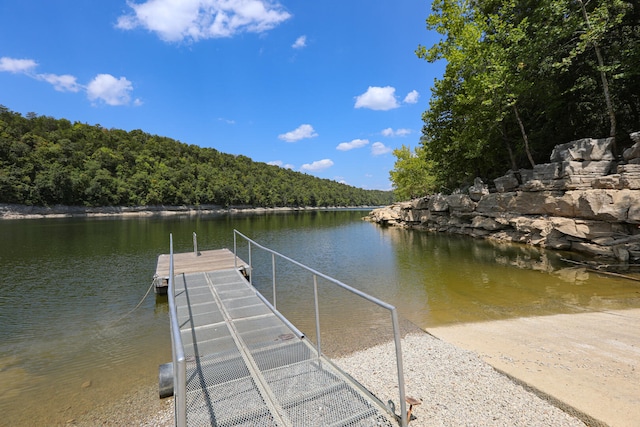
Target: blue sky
[(328, 87)]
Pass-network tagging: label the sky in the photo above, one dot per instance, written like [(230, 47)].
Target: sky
[(328, 88)]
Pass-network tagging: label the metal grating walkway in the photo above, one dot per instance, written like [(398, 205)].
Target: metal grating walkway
[(246, 367)]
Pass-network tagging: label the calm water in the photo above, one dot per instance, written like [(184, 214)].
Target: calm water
[(68, 337)]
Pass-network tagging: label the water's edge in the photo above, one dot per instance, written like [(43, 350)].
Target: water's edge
[(11, 211)]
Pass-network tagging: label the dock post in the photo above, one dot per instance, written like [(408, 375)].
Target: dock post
[(195, 244)]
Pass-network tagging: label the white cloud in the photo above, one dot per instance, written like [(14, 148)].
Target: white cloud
[(412, 97), (356, 143), (399, 132), (63, 83), (13, 65), (227, 121), (378, 98), (378, 149), (177, 20), (103, 87), (111, 91), (281, 164), (302, 132), (318, 165), (300, 42)]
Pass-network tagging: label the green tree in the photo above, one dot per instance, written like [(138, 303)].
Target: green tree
[(521, 77), (591, 31), (411, 175), (49, 161)]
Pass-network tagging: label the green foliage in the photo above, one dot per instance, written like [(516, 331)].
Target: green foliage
[(47, 161), (412, 175), (523, 76)]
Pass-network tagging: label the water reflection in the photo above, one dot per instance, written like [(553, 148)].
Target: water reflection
[(457, 279)]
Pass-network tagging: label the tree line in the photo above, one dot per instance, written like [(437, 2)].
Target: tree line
[(521, 77), (46, 161)]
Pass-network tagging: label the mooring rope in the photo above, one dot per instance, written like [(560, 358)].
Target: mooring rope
[(140, 303)]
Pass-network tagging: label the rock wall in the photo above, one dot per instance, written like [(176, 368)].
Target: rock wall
[(583, 200)]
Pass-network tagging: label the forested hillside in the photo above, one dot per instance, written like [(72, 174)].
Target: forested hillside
[(521, 77), (48, 161)]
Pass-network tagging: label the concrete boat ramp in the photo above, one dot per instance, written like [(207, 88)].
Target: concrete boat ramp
[(587, 363)]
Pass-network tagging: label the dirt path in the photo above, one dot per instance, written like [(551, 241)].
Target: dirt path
[(589, 361)]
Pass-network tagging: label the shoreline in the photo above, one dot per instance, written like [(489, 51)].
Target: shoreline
[(557, 370), (142, 407), (11, 211)]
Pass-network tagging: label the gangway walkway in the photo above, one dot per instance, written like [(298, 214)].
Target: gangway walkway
[(246, 365)]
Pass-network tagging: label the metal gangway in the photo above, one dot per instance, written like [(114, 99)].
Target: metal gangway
[(237, 361)]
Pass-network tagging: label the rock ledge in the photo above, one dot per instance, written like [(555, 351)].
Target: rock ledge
[(581, 201)]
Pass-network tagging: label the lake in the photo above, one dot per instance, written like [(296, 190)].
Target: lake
[(69, 337)]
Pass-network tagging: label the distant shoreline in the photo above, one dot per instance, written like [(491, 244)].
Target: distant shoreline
[(11, 211)]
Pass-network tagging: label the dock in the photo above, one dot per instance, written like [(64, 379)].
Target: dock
[(195, 262), (239, 362), (217, 259)]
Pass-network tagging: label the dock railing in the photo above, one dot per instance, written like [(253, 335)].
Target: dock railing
[(316, 274), (177, 349)]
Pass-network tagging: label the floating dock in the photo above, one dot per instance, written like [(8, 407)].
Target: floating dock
[(244, 363), (195, 262)]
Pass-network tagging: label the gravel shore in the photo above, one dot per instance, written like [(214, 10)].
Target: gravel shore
[(456, 387)]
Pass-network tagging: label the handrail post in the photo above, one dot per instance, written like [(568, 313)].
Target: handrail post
[(398, 342), (315, 298), (250, 267), (235, 250), (195, 244), (179, 360), (273, 273)]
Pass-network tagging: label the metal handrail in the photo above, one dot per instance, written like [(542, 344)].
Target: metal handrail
[(380, 303), (177, 349)]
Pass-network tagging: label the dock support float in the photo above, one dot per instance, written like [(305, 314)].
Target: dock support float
[(165, 380)]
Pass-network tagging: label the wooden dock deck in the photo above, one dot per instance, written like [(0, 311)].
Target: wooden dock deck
[(247, 366), (218, 259)]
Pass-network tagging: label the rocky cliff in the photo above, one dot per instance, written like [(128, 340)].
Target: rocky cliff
[(583, 200)]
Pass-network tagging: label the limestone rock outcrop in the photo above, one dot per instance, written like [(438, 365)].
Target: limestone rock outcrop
[(581, 201)]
